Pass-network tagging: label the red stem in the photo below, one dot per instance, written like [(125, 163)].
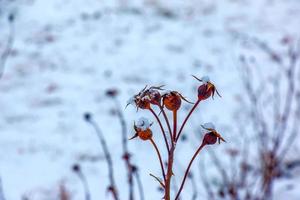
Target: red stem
[(188, 169), (161, 127), (167, 121), (187, 117), (174, 124), (159, 158)]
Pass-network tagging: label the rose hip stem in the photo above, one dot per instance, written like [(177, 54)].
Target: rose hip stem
[(167, 121), (162, 129), (188, 169), (159, 158), (187, 117), (174, 124)]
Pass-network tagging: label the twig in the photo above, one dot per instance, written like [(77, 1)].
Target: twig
[(112, 188), (8, 48), (219, 167), (158, 180), (194, 185), (257, 117), (205, 181), (140, 184), (76, 168), (289, 99), (162, 128), (1, 191), (186, 119), (188, 169), (174, 124), (167, 121), (159, 158), (126, 154)]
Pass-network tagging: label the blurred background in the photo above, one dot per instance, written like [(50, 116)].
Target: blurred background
[(59, 58)]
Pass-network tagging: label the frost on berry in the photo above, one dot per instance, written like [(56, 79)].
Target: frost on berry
[(209, 125), (212, 135), (205, 79), (143, 123), (207, 89), (142, 129)]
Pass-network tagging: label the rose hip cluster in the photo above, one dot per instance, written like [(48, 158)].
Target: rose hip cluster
[(150, 97)]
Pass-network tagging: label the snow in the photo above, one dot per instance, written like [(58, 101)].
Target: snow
[(67, 53), (209, 125), (205, 79), (131, 101), (143, 123)]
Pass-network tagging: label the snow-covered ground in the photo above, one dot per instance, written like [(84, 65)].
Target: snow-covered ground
[(67, 53)]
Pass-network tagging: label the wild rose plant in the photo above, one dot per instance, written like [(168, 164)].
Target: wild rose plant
[(171, 101)]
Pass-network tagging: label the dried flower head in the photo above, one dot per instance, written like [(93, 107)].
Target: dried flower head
[(154, 95), (212, 136), (207, 89), (142, 129), (146, 97)]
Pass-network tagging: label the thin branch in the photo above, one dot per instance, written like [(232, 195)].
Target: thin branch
[(77, 170), (174, 124), (188, 169), (167, 121), (162, 129), (159, 158), (257, 117), (186, 119), (9, 45), (158, 180), (112, 187), (205, 181), (194, 185), (288, 101), (292, 137), (126, 154), (1, 191), (219, 167), (140, 184)]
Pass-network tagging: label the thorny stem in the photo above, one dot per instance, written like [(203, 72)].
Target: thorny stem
[(162, 128), (107, 158), (188, 169), (169, 173), (186, 119), (171, 159), (167, 121), (159, 158)]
